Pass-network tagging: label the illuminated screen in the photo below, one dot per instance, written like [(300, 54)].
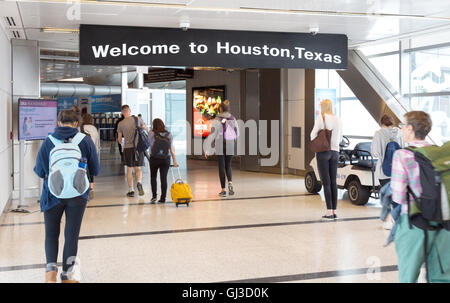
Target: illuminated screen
[(206, 101)]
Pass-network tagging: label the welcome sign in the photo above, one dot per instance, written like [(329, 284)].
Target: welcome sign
[(119, 45)]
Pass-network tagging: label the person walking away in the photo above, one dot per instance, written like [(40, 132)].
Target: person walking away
[(161, 148), (119, 144), (224, 130), (327, 161), (385, 140), (406, 184), (52, 151), (382, 137), (132, 158), (88, 128)]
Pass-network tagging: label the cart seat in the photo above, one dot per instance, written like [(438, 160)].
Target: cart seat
[(362, 156)]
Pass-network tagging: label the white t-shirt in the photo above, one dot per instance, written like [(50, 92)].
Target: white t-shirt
[(93, 132), (332, 123)]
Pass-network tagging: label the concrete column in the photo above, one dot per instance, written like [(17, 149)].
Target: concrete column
[(26, 84), (124, 84)]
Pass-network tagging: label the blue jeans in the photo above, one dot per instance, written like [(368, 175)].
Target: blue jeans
[(74, 210)]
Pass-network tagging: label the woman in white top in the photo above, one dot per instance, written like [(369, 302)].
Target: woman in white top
[(327, 161), (88, 128)]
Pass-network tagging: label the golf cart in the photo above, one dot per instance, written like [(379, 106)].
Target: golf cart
[(355, 173)]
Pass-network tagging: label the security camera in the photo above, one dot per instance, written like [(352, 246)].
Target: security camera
[(184, 25), (313, 30)]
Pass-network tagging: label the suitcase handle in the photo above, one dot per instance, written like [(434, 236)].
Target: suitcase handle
[(179, 175)]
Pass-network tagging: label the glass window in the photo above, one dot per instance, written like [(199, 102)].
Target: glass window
[(438, 107), (176, 119), (388, 67), (356, 120), (430, 70)]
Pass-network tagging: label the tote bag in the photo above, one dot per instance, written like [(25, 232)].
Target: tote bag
[(322, 142)]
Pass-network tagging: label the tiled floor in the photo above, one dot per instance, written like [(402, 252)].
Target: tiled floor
[(269, 231)]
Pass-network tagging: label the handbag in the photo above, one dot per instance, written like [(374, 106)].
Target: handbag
[(322, 142)]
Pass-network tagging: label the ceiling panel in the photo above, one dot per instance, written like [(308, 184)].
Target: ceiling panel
[(37, 15)]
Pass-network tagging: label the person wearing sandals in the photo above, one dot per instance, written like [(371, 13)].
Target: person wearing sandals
[(54, 208), (224, 131), (327, 161), (161, 149)]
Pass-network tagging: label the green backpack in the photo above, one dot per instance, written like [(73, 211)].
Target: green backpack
[(431, 211), (439, 157)]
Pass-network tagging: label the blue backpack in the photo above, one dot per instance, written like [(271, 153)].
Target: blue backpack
[(67, 168), (386, 166)]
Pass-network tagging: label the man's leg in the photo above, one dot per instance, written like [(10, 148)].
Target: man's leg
[(130, 178), (138, 171)]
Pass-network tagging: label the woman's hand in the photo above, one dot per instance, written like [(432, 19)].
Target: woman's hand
[(175, 163)]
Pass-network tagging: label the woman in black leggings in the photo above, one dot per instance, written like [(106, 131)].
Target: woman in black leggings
[(224, 132), (73, 208), (161, 148), (327, 161)]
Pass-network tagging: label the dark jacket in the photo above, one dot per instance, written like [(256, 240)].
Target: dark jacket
[(88, 151)]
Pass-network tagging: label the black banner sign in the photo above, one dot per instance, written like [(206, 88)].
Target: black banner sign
[(148, 46)]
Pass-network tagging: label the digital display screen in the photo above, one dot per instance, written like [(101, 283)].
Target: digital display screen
[(206, 102), (37, 118)]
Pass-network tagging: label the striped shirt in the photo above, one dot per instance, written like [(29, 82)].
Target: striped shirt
[(405, 172)]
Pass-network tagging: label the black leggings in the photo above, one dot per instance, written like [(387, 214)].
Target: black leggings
[(225, 168), (163, 166), (74, 210), (327, 163)]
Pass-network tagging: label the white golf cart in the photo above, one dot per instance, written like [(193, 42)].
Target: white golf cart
[(356, 173)]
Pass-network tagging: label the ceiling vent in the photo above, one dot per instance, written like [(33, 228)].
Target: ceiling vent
[(16, 34), (10, 22)]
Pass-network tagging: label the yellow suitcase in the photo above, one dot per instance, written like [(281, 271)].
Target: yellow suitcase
[(180, 191)]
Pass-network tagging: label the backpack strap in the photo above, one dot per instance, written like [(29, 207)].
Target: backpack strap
[(78, 138), (136, 121), (54, 140)]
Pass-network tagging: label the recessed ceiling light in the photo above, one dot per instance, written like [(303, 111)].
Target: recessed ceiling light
[(60, 30)]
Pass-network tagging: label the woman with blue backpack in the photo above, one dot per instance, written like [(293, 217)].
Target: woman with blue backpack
[(385, 142), (62, 162), (224, 132)]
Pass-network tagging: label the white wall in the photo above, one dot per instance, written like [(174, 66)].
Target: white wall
[(5, 120), (296, 116)]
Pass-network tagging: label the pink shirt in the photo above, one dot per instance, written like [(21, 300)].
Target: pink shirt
[(405, 171)]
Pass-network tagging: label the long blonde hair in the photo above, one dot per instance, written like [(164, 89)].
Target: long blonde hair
[(326, 107)]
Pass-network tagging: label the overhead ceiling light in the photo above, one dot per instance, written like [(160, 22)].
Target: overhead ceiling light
[(60, 30), (71, 80)]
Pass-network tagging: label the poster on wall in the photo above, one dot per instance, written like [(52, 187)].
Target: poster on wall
[(321, 94), (206, 102), (106, 104), (65, 103), (37, 118), (84, 103)]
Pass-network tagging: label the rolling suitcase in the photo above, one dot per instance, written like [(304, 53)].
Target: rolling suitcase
[(180, 191)]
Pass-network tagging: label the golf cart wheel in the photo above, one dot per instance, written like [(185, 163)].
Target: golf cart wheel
[(312, 185), (358, 194)]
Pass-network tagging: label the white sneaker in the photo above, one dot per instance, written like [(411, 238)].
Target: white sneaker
[(388, 224)]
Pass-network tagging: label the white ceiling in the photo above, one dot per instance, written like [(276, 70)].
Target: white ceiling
[(360, 20), (332, 16)]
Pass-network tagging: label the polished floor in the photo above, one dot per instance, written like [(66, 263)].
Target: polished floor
[(270, 231)]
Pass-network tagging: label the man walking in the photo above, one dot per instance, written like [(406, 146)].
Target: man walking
[(132, 158)]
